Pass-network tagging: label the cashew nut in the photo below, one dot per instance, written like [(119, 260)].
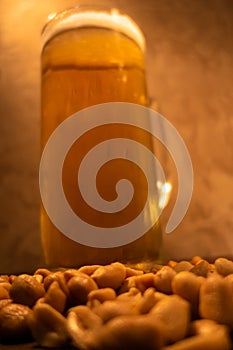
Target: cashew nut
[(89, 269), (59, 277), (102, 294), (48, 326), (174, 312), (187, 285), (113, 308), (82, 324), (216, 300), (207, 335), (126, 332), (55, 297)]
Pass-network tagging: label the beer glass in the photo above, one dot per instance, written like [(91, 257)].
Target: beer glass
[(91, 57)]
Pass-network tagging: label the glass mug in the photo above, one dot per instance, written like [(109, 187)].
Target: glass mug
[(92, 57)]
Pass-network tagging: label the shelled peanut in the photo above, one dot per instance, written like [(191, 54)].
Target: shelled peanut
[(186, 305)]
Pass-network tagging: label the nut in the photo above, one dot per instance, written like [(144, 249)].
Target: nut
[(4, 294), (89, 269), (79, 287), (5, 285), (125, 332), (127, 296), (174, 312), (140, 282), (147, 301), (4, 278), (26, 290), (55, 297), (48, 326), (132, 272), (113, 308), (13, 323), (195, 259), (102, 294), (187, 285), (42, 272), (202, 268), (110, 276), (163, 279), (183, 266), (207, 336), (224, 266), (216, 300), (82, 324), (59, 277), (4, 302), (144, 281)]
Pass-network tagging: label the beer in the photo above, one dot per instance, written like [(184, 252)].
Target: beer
[(85, 65)]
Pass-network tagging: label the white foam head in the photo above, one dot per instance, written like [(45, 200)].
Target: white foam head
[(76, 17)]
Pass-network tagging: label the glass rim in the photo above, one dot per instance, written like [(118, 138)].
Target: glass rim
[(87, 16)]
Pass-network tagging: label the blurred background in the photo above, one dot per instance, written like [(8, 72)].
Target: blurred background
[(189, 61)]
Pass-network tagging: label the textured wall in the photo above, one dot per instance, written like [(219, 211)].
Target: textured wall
[(190, 73)]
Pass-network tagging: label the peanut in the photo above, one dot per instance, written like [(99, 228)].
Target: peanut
[(224, 266), (163, 279), (195, 259), (117, 307), (79, 287), (183, 266), (172, 263), (110, 276), (201, 268)]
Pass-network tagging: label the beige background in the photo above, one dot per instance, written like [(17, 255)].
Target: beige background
[(190, 73)]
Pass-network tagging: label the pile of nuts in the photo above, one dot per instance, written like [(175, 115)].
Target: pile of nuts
[(186, 305)]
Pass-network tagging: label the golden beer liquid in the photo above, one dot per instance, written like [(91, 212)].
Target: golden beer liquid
[(83, 67)]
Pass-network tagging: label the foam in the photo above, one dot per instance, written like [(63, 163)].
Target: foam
[(73, 19)]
